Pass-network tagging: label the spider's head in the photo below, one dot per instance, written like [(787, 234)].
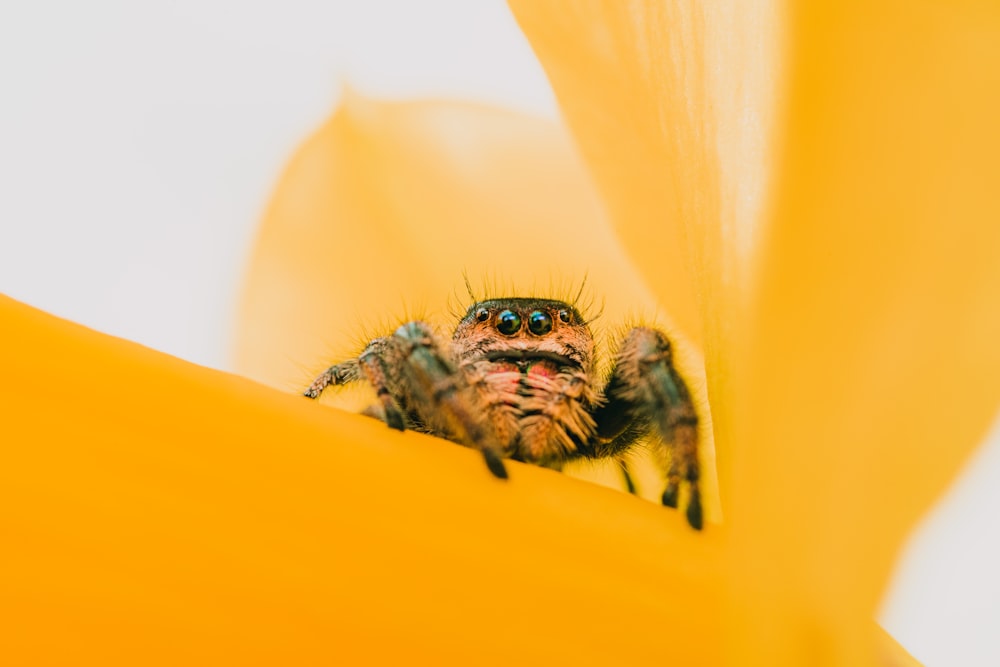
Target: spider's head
[(521, 333)]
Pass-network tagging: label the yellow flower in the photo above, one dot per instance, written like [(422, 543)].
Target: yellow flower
[(157, 512)]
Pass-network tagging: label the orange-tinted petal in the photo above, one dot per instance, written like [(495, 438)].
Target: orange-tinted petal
[(384, 208), (158, 513), (873, 367), (670, 103)]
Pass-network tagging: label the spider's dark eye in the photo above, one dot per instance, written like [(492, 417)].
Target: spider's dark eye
[(565, 316), (508, 322), (482, 315), (539, 323)]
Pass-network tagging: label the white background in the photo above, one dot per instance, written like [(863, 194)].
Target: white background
[(139, 143)]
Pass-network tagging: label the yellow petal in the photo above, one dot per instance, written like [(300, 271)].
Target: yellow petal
[(384, 208), (873, 368), (381, 212), (671, 105), (155, 512), (162, 513), (681, 93)]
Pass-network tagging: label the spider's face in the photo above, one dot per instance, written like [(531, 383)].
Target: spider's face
[(523, 334)]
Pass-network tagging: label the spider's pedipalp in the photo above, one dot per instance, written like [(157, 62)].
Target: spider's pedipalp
[(556, 423)]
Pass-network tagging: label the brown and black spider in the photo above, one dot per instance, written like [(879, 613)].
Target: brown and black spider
[(518, 381)]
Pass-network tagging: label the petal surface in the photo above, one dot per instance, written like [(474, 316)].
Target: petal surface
[(671, 104), (872, 369), (677, 88), (163, 513)]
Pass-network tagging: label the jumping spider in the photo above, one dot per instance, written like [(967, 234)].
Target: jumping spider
[(518, 380)]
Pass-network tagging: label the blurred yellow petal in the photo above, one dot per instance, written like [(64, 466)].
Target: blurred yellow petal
[(158, 513), (164, 514), (381, 212), (671, 105), (881, 261), (594, 57), (383, 209), (873, 368)]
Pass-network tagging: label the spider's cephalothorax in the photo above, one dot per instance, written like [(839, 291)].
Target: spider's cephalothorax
[(517, 380)]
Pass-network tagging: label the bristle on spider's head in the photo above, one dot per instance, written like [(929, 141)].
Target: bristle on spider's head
[(575, 293)]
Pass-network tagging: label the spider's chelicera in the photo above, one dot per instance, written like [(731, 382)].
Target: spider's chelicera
[(518, 380)]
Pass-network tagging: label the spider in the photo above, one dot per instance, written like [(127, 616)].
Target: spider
[(518, 380)]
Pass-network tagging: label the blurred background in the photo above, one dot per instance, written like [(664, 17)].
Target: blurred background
[(139, 143)]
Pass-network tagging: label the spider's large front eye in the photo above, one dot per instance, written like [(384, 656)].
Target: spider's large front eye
[(539, 323), (508, 323)]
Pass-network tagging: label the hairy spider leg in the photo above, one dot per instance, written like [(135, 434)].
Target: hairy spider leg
[(371, 366), (645, 391), (436, 386), (413, 378), (374, 367), (627, 477)]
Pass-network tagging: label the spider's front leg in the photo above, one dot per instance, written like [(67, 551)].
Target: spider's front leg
[(645, 391), (417, 384)]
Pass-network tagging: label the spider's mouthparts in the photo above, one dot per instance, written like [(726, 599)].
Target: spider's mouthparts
[(515, 356)]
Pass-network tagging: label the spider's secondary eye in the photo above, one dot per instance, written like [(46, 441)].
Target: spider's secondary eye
[(482, 315), (565, 316), (508, 322), (539, 323)]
